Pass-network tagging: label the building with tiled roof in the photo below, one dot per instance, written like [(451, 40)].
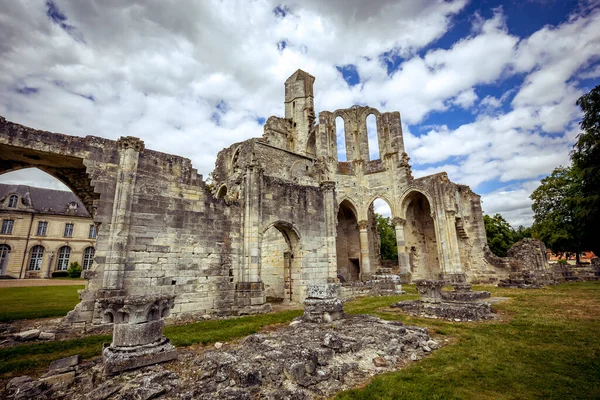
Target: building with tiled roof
[(43, 231)]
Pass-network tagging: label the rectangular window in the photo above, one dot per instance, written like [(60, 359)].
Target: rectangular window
[(92, 231), (7, 226), (42, 228), (68, 230)]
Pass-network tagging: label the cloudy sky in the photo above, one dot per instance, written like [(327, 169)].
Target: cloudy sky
[(486, 89)]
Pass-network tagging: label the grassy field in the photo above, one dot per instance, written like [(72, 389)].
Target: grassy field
[(37, 302), (547, 345)]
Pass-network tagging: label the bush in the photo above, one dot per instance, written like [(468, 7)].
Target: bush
[(60, 274), (74, 270), (562, 262)]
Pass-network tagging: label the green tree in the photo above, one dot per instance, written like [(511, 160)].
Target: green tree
[(387, 233), (557, 215), (586, 164), (499, 234), (521, 232), (74, 270)]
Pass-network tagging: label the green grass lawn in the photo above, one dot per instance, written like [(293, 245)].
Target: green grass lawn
[(546, 346), (37, 302)]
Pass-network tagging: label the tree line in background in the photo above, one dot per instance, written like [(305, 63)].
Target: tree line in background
[(566, 205)]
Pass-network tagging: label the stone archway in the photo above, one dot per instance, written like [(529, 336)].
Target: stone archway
[(348, 243), (421, 239), (280, 262)]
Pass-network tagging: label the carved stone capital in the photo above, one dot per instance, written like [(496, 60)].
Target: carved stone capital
[(131, 142), (328, 185), (451, 213), (398, 221), (363, 224)]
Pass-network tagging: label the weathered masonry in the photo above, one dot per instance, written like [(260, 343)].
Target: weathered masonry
[(283, 212)]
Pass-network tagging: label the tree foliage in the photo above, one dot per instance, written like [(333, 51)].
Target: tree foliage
[(387, 233), (556, 211), (586, 165), (567, 203), (501, 236)]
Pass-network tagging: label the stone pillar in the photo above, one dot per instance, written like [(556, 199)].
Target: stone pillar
[(118, 236), (328, 188), (138, 339), (453, 272), (251, 270), (365, 261), (49, 269), (403, 255)]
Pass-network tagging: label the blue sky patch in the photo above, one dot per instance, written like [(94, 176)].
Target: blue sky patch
[(349, 73)]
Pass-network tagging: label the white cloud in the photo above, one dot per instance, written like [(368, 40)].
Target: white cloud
[(158, 70)]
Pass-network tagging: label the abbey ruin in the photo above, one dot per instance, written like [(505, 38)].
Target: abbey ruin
[(282, 212)]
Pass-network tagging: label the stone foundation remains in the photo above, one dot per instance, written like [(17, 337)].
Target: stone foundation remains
[(460, 305), (138, 338), (323, 304)]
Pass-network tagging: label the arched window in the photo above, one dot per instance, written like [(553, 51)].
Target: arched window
[(13, 200), (341, 139), (222, 192), (35, 260), (88, 258), (62, 263), (373, 139), (4, 252)]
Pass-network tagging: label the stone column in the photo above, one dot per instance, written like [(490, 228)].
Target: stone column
[(138, 338), (49, 269), (403, 255), (328, 188), (118, 236), (251, 272), (454, 268), (365, 261)]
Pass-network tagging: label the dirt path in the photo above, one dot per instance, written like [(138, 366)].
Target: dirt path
[(5, 283)]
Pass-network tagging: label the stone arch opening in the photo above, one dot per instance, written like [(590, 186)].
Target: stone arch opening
[(421, 238), (69, 170), (385, 242), (222, 192), (348, 243), (340, 134), (4, 254), (372, 137), (280, 262)]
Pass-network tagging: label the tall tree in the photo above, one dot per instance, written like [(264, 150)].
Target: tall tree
[(557, 214), (499, 234), (387, 233), (586, 163)]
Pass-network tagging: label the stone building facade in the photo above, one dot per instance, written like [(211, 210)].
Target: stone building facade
[(282, 211), (43, 231)]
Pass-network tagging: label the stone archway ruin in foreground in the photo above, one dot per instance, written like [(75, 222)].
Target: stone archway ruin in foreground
[(173, 236)]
